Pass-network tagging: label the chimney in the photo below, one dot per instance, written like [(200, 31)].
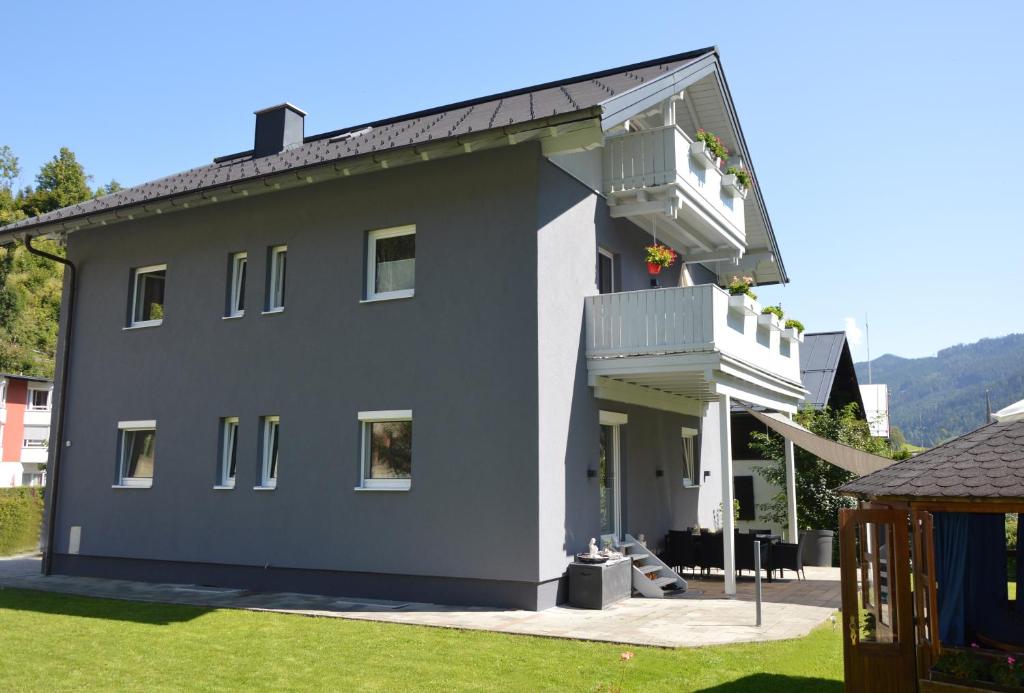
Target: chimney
[(278, 128)]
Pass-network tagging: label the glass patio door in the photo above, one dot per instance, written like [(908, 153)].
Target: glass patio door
[(608, 468)]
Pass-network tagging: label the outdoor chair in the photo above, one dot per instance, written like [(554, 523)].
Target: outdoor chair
[(745, 553), (681, 549), (788, 557), (712, 554)]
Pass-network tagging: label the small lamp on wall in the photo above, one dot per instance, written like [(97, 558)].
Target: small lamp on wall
[(591, 473), (659, 473)]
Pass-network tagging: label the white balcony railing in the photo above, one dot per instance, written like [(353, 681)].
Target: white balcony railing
[(659, 160), (685, 320)]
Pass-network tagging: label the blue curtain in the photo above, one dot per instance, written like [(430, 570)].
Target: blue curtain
[(950, 533), (985, 588)]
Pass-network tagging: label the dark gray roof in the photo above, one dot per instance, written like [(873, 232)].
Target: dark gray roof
[(986, 463), (577, 94), (820, 356), (33, 378)]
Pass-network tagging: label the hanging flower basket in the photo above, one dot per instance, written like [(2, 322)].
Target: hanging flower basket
[(659, 257)]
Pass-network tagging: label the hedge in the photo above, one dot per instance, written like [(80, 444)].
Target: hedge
[(21, 515)]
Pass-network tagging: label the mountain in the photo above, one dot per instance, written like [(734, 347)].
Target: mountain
[(935, 398)]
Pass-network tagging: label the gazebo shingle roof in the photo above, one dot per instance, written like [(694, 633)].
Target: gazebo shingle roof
[(985, 463)]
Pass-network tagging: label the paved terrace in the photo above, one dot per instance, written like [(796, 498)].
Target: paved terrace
[(701, 616)]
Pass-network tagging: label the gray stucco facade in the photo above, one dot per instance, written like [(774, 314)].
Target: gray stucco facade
[(487, 355)]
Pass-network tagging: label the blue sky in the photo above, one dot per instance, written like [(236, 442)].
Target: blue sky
[(885, 135)]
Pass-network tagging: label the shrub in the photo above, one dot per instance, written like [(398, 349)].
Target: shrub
[(21, 514), (740, 286), (797, 324), (774, 310), (742, 175), (714, 143)]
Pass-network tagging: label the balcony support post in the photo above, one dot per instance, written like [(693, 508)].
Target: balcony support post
[(793, 532), (728, 522)]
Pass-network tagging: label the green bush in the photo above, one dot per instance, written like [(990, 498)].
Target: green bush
[(797, 324), (21, 515), (774, 310)]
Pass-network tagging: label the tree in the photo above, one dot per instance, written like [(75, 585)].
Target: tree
[(30, 286), (62, 181), (112, 187), (817, 501)]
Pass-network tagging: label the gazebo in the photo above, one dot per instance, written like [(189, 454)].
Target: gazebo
[(928, 601)]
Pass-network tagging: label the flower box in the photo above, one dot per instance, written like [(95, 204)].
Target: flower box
[(769, 320), (744, 305), (703, 156), (793, 335), (732, 186)]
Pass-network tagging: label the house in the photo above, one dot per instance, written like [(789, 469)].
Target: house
[(419, 358), (926, 599), (24, 429), (827, 373), (876, 408)]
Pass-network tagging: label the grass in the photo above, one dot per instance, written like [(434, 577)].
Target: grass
[(57, 642)]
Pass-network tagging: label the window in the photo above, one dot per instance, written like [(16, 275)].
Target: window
[(3, 393), (236, 288), (391, 263), (387, 450), (276, 278), (743, 488), (36, 436), (691, 469), (228, 452), (605, 272), (268, 458), (39, 398), (148, 296), (138, 453)]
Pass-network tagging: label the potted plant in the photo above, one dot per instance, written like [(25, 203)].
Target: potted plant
[(794, 330), (659, 257), (741, 299), (736, 181), (977, 669), (708, 149), (771, 317)]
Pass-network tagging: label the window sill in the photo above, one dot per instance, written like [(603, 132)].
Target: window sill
[(386, 489), (149, 485), (264, 488), (233, 317), (393, 296), (224, 488), (143, 325), (272, 311)]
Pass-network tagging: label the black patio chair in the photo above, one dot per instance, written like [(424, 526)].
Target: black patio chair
[(712, 554), (745, 553), (682, 549), (788, 557)]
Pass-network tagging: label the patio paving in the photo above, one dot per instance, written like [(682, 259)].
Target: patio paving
[(702, 616)]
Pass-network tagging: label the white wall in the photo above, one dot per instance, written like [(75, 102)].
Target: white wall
[(764, 492)]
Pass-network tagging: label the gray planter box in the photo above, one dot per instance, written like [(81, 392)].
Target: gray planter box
[(597, 586)]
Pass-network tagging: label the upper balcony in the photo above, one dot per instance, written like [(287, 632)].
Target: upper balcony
[(670, 185), (694, 342)]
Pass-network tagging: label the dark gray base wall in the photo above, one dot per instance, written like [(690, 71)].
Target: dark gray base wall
[(413, 588)]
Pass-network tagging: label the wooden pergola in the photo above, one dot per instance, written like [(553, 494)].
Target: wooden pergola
[(913, 556)]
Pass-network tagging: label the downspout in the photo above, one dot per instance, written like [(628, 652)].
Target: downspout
[(53, 482)]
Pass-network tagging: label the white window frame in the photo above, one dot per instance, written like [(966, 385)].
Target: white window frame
[(611, 256), (136, 274), (690, 458), (274, 285), (40, 388), (236, 292), (371, 263), (3, 393), (366, 418), (228, 445), (616, 420), (266, 482), (122, 480)]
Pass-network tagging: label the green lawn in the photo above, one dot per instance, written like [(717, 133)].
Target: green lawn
[(56, 642)]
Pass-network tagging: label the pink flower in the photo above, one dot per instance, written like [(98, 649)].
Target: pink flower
[(1011, 661), (974, 645)]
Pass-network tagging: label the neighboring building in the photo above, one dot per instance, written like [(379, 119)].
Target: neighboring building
[(24, 429), (828, 375), (462, 376), (876, 408)]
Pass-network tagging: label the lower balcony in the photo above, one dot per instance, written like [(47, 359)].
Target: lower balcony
[(685, 345)]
